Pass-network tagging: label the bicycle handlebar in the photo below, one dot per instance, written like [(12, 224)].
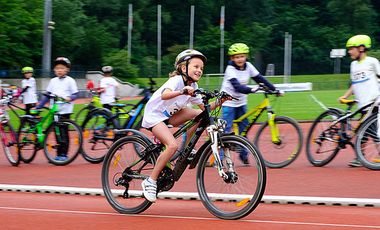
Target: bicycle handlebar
[(55, 97), (266, 90), (206, 95)]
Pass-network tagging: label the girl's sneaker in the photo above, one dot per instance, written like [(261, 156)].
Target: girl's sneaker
[(149, 190)]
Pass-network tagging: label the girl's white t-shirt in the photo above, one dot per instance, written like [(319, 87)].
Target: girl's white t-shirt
[(364, 80), (110, 86), (157, 110), (63, 87), (243, 77), (30, 95)]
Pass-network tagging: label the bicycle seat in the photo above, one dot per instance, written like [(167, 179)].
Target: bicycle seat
[(347, 101)]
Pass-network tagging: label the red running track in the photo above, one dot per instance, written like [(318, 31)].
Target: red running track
[(41, 211)]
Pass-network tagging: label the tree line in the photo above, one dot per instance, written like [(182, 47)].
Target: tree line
[(93, 33)]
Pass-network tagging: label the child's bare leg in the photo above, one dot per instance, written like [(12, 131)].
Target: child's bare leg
[(163, 133)]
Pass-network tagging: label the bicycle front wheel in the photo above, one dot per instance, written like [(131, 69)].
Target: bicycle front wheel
[(281, 143), (27, 141), (63, 142), (322, 143), (9, 142), (367, 145), (239, 193), (122, 173), (98, 135)]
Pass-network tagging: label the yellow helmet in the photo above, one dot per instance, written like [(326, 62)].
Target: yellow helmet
[(27, 69), (238, 48), (359, 40)]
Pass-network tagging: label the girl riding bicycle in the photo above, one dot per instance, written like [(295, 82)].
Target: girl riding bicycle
[(168, 105)]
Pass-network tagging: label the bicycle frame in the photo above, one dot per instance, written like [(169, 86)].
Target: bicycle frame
[(346, 118), (254, 114), (46, 120)]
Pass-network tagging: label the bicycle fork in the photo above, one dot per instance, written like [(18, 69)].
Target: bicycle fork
[(231, 176), (275, 133)]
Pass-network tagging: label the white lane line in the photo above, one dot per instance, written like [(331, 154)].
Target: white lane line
[(188, 218), (318, 102)]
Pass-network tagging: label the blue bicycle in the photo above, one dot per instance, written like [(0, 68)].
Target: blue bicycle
[(100, 127)]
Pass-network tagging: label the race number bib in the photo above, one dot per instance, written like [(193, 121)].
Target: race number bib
[(171, 110)]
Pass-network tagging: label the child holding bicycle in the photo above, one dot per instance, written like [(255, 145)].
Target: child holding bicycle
[(29, 89), (65, 87), (364, 73), (236, 77), (108, 87), (168, 105)]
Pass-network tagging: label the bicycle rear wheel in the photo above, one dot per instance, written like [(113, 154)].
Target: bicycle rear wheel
[(81, 115), (27, 141), (9, 143), (239, 194), (63, 142), (322, 143), (98, 135), (122, 173), (287, 146), (367, 145)]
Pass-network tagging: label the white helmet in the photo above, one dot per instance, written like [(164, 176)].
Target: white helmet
[(107, 69), (188, 54)]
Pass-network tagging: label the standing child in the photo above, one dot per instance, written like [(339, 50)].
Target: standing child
[(168, 105), (108, 87), (236, 77), (63, 86), (29, 89), (364, 73)]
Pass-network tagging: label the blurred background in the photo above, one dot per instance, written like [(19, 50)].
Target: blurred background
[(141, 38)]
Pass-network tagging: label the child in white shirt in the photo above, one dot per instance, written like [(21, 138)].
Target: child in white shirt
[(29, 89)]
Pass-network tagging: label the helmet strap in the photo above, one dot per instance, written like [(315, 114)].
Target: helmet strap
[(187, 79), (361, 54)]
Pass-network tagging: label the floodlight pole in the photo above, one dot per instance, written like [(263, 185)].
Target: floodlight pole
[(130, 26), (221, 62), (158, 40), (287, 57), (191, 27), (46, 50)]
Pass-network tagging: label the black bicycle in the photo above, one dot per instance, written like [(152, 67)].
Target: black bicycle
[(334, 129), (229, 189)]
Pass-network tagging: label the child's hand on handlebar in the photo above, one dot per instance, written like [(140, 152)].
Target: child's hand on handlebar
[(188, 90)]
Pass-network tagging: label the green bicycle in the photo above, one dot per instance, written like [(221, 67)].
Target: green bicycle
[(60, 138)]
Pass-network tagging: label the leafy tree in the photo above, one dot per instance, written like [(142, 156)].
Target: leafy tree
[(20, 33), (119, 61)]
